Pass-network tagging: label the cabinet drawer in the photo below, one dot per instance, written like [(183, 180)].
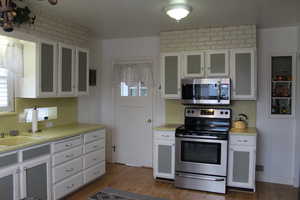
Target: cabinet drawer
[(70, 168), (8, 159), (99, 144), (36, 152), (96, 135), (242, 140), (164, 135), (68, 186), (67, 144), (94, 158), (94, 172), (66, 156)]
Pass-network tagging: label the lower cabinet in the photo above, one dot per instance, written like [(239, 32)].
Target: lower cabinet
[(242, 160), (36, 179), (9, 183), (164, 155)]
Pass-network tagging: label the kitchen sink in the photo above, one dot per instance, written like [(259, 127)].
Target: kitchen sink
[(16, 140)]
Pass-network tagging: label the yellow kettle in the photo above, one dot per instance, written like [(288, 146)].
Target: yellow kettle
[(241, 122)]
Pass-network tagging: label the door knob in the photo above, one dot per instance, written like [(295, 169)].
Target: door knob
[(149, 121)]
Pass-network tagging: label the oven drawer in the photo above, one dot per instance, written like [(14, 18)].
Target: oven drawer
[(242, 140), (164, 135)]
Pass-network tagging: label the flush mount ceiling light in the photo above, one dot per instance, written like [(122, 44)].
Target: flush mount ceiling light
[(178, 11)]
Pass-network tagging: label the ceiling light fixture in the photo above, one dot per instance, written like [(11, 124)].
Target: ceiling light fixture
[(178, 11)]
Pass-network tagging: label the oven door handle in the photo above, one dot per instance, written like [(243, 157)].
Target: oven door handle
[(201, 178), (198, 137)]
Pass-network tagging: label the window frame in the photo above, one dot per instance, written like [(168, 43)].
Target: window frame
[(10, 89)]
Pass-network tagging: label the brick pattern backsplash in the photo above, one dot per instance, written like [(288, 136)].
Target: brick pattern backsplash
[(57, 29), (230, 37)]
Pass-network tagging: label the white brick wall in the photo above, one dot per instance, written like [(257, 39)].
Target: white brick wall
[(57, 29), (229, 37)]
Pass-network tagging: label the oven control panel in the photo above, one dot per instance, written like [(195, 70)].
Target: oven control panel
[(208, 113)]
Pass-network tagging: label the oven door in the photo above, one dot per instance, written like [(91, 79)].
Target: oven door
[(206, 91), (201, 156)]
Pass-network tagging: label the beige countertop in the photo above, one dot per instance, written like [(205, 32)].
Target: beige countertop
[(167, 127), (247, 131), (26, 139)]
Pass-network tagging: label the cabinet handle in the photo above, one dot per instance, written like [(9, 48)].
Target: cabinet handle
[(95, 159), (95, 136), (245, 140), (25, 168), (70, 186), (69, 155), (69, 170), (69, 145), (96, 146)]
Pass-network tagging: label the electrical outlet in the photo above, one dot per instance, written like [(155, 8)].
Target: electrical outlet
[(260, 168)]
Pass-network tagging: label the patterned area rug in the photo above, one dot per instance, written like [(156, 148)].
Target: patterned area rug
[(112, 194)]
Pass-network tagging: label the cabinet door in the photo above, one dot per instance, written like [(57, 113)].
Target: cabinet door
[(241, 167), (66, 70), (82, 74), (217, 63), (243, 74), (193, 64), (171, 76), (47, 68), (9, 184), (35, 179), (164, 159)]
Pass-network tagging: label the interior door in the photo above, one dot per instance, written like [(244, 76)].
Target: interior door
[(132, 138)]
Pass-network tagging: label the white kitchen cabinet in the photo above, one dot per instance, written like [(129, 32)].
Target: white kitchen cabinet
[(193, 64), (82, 71), (66, 70), (242, 161), (9, 183), (36, 178), (243, 74), (171, 75), (164, 154), (217, 63)]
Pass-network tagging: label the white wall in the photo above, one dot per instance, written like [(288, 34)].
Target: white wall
[(276, 136), (98, 106)]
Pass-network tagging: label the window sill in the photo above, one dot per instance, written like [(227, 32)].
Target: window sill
[(4, 114)]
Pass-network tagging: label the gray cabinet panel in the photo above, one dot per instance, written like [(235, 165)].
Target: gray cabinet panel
[(47, 67), (7, 187), (217, 63), (171, 74), (36, 182), (82, 71), (243, 74), (36, 152), (164, 159), (241, 166), (66, 69), (193, 64), (8, 160)]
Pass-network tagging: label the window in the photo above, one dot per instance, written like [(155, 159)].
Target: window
[(6, 97), (133, 89)]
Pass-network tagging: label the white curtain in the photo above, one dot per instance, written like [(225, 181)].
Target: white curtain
[(13, 59), (134, 73)]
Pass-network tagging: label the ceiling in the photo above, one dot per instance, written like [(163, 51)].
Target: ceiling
[(132, 18)]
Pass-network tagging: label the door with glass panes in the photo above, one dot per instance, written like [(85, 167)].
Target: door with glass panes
[(9, 184)]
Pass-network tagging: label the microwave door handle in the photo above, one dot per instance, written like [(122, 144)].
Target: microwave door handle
[(219, 92)]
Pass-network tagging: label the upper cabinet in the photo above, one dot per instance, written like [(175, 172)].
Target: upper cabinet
[(243, 74), (82, 63), (53, 70), (217, 63), (47, 66), (193, 65), (171, 75), (66, 70)]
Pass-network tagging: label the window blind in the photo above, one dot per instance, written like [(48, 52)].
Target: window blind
[(4, 90)]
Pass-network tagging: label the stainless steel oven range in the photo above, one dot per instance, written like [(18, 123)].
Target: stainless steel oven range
[(201, 150)]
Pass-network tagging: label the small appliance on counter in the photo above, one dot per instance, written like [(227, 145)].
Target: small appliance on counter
[(241, 122), (201, 149), (206, 91)]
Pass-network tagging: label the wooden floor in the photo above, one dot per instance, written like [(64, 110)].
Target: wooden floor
[(140, 180)]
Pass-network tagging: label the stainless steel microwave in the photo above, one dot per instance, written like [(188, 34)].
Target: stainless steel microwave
[(214, 91)]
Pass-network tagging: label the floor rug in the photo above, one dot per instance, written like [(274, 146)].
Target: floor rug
[(113, 194)]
